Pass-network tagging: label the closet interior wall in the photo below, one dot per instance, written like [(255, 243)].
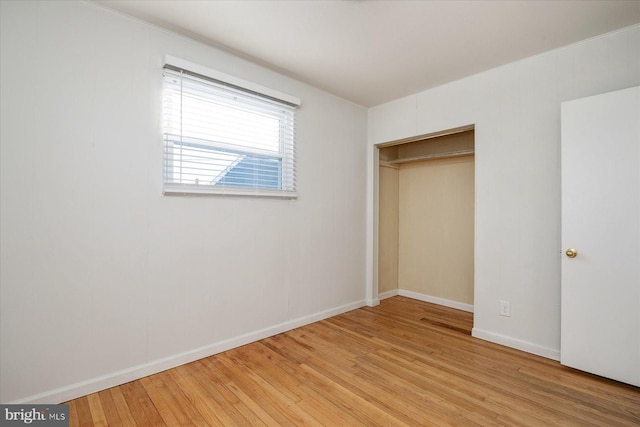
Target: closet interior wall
[(426, 218)]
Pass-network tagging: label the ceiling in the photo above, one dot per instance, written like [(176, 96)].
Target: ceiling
[(371, 52)]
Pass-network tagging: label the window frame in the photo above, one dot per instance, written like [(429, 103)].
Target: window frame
[(286, 171)]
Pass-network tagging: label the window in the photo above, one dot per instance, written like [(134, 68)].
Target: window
[(226, 136)]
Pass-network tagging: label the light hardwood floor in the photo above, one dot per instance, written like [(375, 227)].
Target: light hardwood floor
[(404, 362)]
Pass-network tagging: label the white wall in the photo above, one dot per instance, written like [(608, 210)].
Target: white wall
[(516, 112), (103, 279)]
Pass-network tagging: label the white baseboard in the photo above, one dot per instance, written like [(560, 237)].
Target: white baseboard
[(436, 300), (525, 346), (93, 385), (388, 294), (373, 302)]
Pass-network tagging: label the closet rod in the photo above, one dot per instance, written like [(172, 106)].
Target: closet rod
[(433, 156)]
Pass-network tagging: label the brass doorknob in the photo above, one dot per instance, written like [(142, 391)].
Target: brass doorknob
[(571, 253)]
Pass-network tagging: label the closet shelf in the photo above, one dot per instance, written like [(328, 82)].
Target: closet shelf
[(432, 156)]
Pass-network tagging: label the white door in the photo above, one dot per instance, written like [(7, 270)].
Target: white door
[(600, 330)]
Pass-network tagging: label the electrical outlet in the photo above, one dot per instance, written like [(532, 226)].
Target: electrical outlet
[(505, 308)]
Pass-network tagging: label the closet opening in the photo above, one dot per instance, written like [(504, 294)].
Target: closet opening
[(426, 217)]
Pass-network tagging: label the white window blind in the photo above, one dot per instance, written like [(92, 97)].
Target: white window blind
[(223, 139)]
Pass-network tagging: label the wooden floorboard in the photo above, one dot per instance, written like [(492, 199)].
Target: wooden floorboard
[(402, 363)]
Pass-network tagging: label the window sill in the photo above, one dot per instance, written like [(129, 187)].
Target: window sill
[(207, 190)]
